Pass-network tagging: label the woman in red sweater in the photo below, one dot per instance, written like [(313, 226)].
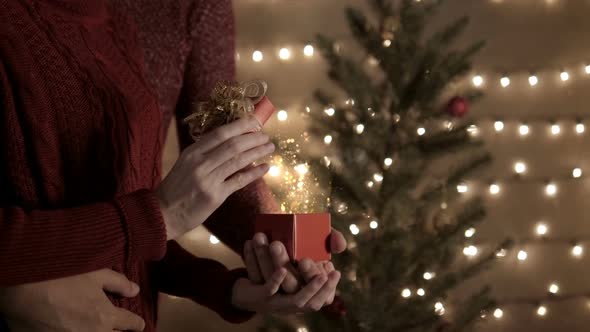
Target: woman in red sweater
[(87, 90)]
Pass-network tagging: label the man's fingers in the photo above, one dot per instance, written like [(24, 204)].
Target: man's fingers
[(124, 320), (274, 283), (337, 242), (306, 293), (308, 269), (117, 283), (280, 258), (254, 273), (263, 255), (219, 135)]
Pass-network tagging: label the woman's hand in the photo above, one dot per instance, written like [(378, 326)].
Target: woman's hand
[(263, 298), (76, 303), (210, 170), (262, 259)]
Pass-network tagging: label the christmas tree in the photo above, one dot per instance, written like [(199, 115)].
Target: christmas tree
[(397, 152)]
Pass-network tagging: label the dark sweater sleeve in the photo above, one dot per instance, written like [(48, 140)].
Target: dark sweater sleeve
[(82, 239), (202, 280)]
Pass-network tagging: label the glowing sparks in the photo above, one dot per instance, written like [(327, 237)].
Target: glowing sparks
[(294, 180), (302, 169)]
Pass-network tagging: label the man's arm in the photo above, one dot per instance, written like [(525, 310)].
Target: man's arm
[(212, 60)]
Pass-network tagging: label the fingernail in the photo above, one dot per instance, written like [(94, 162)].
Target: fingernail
[(134, 287), (260, 239), (305, 265), (275, 248)]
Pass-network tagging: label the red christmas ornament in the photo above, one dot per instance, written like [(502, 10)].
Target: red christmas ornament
[(457, 107)]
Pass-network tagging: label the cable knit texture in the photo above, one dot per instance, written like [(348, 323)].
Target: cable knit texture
[(87, 90)]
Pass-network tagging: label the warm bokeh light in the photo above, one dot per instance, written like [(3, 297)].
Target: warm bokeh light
[(359, 128), (505, 81), (477, 80), (284, 53), (564, 75), (542, 229), (577, 250), (551, 189), (520, 167), (498, 313), (308, 50), (577, 172), (522, 255), (282, 115), (470, 251), (406, 292), (257, 56)]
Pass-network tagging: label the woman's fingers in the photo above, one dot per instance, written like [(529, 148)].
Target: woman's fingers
[(337, 242), (301, 298), (243, 159), (325, 293), (274, 283), (216, 137), (263, 255), (308, 269), (280, 258), (124, 320), (244, 178), (252, 267), (232, 149), (329, 267), (117, 283)]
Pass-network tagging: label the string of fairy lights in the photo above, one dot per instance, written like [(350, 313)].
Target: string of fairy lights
[(288, 54), (478, 80)]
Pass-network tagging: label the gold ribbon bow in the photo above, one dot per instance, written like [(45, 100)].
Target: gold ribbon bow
[(229, 101)]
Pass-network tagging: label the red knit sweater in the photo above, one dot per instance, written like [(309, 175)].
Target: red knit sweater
[(82, 123)]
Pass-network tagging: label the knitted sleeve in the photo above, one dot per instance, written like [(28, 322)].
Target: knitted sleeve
[(202, 280), (82, 239)]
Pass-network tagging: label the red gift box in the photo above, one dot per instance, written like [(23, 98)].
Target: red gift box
[(304, 235)]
